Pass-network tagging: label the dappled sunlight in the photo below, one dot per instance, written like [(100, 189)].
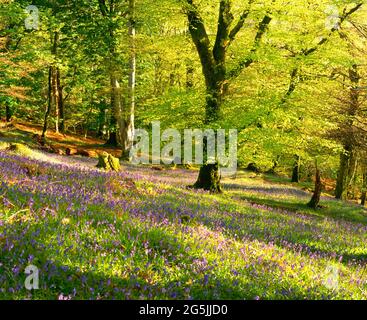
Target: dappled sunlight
[(98, 234)]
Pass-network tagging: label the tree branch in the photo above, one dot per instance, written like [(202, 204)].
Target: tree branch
[(306, 52), (345, 15), (225, 19), (240, 23), (200, 38), (246, 62)]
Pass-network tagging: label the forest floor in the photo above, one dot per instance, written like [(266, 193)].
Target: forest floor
[(141, 233), (25, 132)]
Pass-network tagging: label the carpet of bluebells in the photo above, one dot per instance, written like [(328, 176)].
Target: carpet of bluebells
[(142, 234)]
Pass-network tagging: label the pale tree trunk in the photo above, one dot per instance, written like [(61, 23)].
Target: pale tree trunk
[(55, 97), (127, 121), (56, 91), (115, 109), (122, 114), (48, 108), (60, 102)]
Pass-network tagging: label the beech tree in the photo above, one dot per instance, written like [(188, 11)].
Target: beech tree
[(213, 58)]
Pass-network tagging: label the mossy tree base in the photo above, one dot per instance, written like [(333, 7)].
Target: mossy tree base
[(20, 149), (108, 162), (209, 178)]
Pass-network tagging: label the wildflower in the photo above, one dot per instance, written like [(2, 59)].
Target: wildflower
[(65, 221)]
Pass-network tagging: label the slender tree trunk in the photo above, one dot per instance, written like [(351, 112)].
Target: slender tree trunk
[(55, 97), (7, 112), (296, 168), (115, 111), (127, 122), (364, 190), (56, 92), (102, 122), (60, 102), (315, 200), (48, 108), (189, 77), (341, 181)]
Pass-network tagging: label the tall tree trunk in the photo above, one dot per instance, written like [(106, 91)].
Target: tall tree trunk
[(341, 181), (348, 158), (48, 108), (364, 189), (213, 63), (56, 92), (7, 111), (315, 200), (60, 102), (115, 110), (296, 168), (127, 122), (55, 97)]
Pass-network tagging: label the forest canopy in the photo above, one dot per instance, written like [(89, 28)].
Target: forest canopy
[(289, 76)]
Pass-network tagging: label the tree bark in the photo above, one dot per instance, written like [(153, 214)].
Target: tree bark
[(189, 77), (296, 169), (364, 190), (115, 111), (7, 112), (127, 122), (348, 158), (213, 63), (60, 102), (341, 181), (315, 200), (122, 114), (56, 93), (209, 178), (48, 108)]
